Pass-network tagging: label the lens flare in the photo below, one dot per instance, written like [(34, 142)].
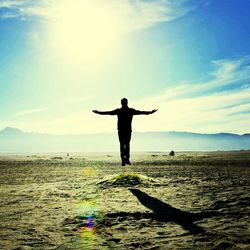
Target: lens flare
[(90, 216), (88, 171), (84, 32)]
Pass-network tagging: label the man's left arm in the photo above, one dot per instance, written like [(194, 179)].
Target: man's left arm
[(139, 112)]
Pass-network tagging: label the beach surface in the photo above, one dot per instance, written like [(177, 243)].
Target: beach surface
[(197, 200)]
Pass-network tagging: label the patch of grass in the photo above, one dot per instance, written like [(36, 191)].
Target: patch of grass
[(126, 179)]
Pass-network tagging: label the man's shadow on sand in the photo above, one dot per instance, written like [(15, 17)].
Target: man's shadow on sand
[(164, 212)]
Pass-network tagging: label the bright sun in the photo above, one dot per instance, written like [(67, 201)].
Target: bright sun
[(84, 31)]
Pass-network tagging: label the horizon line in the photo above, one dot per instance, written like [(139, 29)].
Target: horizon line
[(95, 133)]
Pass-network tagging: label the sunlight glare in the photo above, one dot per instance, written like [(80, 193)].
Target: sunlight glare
[(85, 31)]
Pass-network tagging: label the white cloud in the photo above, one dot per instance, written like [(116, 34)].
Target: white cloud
[(226, 73), (136, 14), (29, 111), (207, 106), (226, 69), (10, 4), (143, 14), (12, 9)]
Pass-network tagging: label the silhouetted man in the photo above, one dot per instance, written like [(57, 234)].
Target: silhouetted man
[(125, 116)]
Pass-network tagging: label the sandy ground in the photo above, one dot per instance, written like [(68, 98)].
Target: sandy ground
[(200, 201)]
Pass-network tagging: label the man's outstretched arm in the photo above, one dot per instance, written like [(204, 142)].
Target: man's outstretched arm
[(139, 112), (113, 112)]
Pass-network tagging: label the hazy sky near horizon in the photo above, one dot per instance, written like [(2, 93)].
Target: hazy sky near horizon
[(59, 59)]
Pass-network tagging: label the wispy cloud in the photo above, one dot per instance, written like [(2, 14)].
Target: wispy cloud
[(143, 14), (10, 4), (226, 73), (208, 106), (13, 9), (136, 14), (29, 111)]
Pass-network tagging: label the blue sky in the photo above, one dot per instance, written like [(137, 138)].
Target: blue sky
[(61, 59)]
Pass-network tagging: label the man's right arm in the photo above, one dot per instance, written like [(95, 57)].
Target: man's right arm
[(112, 112)]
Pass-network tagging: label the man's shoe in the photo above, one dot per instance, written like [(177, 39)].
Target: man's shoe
[(127, 162), (123, 163)]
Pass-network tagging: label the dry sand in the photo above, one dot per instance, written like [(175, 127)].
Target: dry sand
[(200, 201)]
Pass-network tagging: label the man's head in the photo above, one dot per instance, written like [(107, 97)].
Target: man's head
[(124, 102)]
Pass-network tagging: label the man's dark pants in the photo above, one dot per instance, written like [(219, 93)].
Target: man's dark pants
[(124, 138)]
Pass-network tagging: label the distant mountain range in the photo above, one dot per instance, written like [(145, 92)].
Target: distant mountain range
[(15, 140)]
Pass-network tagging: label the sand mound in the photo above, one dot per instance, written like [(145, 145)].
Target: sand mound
[(126, 180)]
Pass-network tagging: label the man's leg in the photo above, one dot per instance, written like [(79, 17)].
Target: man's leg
[(127, 148), (122, 152), (122, 147)]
